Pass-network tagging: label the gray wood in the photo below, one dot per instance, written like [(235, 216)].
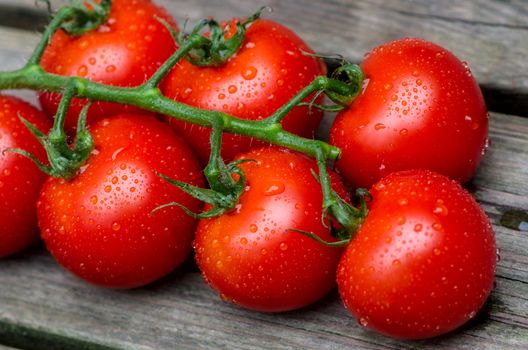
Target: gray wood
[(40, 299), (489, 34)]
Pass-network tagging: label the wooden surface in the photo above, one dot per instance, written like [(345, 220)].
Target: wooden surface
[(43, 307)]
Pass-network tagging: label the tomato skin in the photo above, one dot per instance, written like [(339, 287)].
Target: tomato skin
[(421, 109), (125, 51), (20, 179), (99, 224), (250, 257), (268, 70), (423, 262)]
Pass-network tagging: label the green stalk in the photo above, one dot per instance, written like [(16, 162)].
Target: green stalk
[(35, 78)]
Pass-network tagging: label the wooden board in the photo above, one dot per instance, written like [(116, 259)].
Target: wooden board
[(489, 34), (42, 305)]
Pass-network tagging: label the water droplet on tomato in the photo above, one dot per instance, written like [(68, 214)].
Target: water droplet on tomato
[(249, 73), (243, 241), (387, 86), (221, 96), (396, 262), (253, 228), (232, 89), (283, 246), (440, 209), (437, 251), (403, 201), (394, 98), (116, 153), (404, 132), (110, 68), (280, 82), (93, 199), (108, 188), (82, 70), (116, 226), (437, 226), (274, 188), (379, 126), (418, 227)]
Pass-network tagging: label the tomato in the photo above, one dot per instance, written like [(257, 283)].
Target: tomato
[(125, 51), (423, 262), (421, 109), (20, 179), (269, 69), (99, 224), (249, 255)]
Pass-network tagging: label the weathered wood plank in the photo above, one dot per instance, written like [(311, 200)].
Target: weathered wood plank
[(489, 34), (41, 301)]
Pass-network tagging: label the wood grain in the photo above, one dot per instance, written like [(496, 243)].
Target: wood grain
[(489, 34), (40, 304)]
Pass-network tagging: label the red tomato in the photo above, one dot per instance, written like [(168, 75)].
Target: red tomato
[(423, 262), (421, 109), (99, 224), (250, 257), (20, 179), (125, 51), (269, 69)]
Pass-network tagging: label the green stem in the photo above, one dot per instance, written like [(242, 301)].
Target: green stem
[(35, 78), (191, 42), (62, 15), (320, 83)]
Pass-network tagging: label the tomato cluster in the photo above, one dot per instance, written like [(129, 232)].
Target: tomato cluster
[(422, 262)]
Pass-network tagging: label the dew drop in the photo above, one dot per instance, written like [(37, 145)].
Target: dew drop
[(243, 241), (274, 189), (108, 188), (436, 251), (93, 199), (82, 71), (418, 227), (249, 73), (116, 226), (379, 126), (232, 89), (404, 132), (110, 68), (440, 209), (253, 228), (283, 246), (363, 322), (403, 201), (387, 87)]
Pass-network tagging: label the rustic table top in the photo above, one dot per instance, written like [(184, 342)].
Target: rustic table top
[(43, 307)]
